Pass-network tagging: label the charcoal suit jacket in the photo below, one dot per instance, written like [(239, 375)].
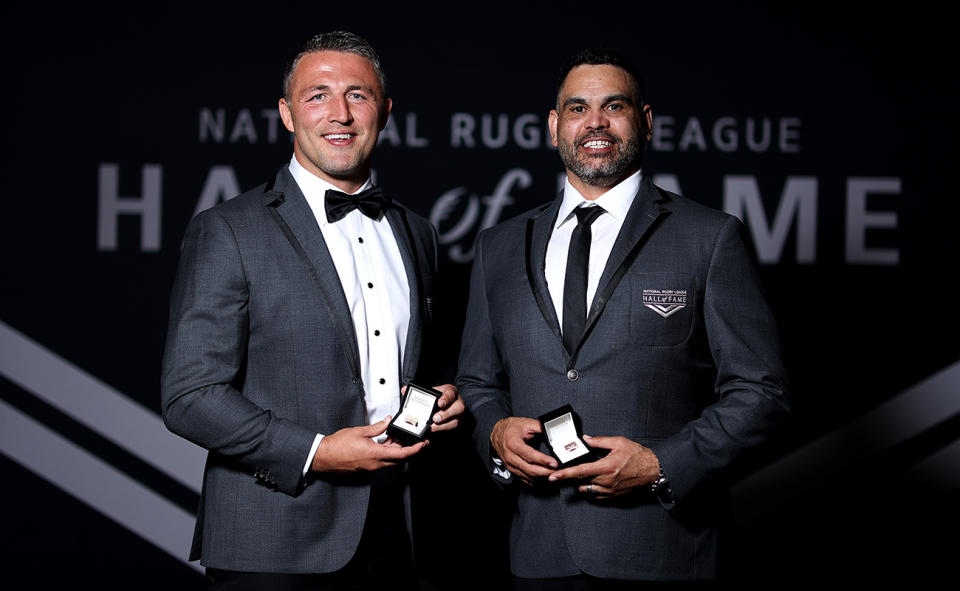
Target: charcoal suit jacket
[(261, 355), (680, 353)]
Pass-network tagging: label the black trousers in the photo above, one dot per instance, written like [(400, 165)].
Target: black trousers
[(383, 561)]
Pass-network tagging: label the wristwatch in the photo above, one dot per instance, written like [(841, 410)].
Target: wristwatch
[(661, 486)]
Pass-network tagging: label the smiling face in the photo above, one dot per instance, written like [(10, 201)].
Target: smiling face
[(336, 110), (600, 127)]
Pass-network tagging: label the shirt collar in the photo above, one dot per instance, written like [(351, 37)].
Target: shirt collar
[(616, 201), (315, 188)]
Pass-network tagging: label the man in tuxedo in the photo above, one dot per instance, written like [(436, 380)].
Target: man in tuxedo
[(300, 310), (642, 310)]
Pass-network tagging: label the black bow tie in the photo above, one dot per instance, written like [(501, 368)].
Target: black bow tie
[(371, 203)]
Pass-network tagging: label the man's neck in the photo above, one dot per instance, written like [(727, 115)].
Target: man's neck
[(348, 185), (591, 192)]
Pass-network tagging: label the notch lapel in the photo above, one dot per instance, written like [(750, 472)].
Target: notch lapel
[(539, 228), (644, 213)]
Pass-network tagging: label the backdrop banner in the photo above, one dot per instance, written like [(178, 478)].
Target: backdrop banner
[(829, 131)]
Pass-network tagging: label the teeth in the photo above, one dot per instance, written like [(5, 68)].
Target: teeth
[(338, 136), (597, 144)]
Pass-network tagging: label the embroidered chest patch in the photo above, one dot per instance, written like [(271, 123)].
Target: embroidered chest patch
[(665, 301)]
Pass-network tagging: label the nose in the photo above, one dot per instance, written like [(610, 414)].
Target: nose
[(340, 111), (597, 119)]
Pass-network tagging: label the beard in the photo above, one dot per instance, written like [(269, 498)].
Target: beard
[(601, 170)]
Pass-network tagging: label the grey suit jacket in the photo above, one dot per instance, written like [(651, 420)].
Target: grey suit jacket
[(260, 356), (697, 386)]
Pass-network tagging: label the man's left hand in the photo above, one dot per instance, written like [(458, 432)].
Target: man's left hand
[(629, 465), (451, 407)]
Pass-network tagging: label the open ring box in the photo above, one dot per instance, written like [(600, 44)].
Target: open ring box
[(415, 416), (564, 435)]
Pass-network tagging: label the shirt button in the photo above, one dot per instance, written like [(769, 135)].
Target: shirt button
[(376, 333), (360, 239), (383, 381), (370, 285), (573, 375)]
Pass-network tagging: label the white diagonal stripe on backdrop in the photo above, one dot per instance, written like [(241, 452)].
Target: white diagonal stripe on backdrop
[(98, 406), (906, 415), (940, 469), (141, 432), (96, 483)]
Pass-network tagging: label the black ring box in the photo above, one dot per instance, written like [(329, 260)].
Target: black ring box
[(562, 427), (415, 416)]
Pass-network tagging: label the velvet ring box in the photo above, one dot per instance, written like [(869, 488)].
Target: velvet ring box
[(415, 416), (564, 435)]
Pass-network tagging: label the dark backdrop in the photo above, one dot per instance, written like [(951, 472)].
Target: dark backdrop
[(829, 129)]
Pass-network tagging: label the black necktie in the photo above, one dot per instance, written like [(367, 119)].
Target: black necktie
[(371, 203), (575, 281)]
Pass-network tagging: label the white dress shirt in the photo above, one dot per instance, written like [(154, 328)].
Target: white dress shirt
[(374, 280), (604, 231)]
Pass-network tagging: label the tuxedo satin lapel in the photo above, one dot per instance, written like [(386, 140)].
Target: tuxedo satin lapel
[(641, 217), (539, 229), (411, 263), (291, 211)]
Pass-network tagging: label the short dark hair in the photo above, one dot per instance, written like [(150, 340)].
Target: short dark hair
[(603, 56), (344, 42)]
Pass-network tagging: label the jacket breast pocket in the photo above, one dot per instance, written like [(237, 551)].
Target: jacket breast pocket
[(662, 307)]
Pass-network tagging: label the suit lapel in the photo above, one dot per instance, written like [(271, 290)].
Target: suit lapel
[(411, 263), (644, 212), (291, 211), (539, 229)]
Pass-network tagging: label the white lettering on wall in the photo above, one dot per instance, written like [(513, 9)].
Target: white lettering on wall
[(112, 205), (449, 202), (461, 130), (741, 198), (859, 219), (725, 134), (213, 125), (496, 131), (221, 184)]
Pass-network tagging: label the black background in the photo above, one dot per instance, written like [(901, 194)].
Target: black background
[(874, 88)]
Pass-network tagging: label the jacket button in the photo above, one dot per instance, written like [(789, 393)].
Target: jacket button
[(573, 375)]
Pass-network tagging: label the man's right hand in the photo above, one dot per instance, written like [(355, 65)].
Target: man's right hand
[(509, 439), (352, 449)]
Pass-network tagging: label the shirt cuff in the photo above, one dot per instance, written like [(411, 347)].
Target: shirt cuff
[(499, 470), (313, 452)]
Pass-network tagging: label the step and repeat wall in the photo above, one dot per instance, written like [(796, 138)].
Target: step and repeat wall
[(828, 130)]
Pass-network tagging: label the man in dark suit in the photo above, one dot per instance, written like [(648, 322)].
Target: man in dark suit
[(642, 310), (299, 311)]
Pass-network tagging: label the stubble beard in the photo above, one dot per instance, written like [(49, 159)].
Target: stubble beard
[(338, 166), (601, 170)]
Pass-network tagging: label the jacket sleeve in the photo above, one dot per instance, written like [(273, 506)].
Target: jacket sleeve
[(751, 382), (482, 378), (204, 360)]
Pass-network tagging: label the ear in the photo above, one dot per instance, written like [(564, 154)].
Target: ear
[(552, 120), (285, 114), (648, 121), (385, 113)]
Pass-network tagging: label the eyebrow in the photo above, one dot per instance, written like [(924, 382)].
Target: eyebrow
[(366, 89), (576, 100), (326, 87)]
